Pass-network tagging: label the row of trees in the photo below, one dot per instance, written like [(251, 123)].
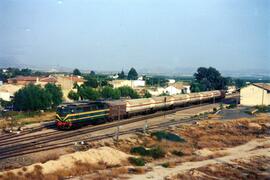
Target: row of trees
[(107, 92), (34, 97), (132, 74), (12, 72)]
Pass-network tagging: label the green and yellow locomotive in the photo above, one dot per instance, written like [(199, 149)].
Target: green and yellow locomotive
[(75, 114)]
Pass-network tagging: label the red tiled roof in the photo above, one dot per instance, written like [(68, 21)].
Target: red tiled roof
[(76, 79), (48, 79), (24, 78)]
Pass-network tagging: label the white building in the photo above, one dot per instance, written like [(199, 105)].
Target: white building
[(171, 81), (255, 94), (130, 83), (115, 76), (177, 88), (171, 90), (156, 91)]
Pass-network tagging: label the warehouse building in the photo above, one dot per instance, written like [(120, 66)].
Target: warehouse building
[(255, 94)]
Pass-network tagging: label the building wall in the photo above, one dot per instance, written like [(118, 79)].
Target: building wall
[(121, 83), (252, 96), (171, 90), (6, 96)]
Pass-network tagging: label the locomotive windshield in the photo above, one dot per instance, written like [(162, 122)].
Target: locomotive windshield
[(63, 111)]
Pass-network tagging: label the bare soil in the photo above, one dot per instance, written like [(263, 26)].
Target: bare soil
[(207, 143)]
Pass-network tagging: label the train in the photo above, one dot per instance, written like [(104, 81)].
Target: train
[(77, 114)]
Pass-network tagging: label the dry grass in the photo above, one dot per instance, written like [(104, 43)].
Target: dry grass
[(48, 157), (255, 168), (43, 117)]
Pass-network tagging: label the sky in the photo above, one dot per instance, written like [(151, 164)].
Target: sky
[(145, 34)]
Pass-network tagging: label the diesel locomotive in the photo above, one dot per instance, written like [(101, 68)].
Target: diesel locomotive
[(79, 113)]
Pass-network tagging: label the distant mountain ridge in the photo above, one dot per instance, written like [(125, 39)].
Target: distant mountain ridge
[(177, 71)]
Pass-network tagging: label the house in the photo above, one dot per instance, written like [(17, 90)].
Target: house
[(171, 81), (24, 80), (130, 83), (177, 88), (171, 90), (156, 91), (7, 91), (115, 76), (255, 94), (67, 83)]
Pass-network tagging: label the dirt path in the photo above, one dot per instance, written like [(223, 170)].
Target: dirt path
[(258, 147)]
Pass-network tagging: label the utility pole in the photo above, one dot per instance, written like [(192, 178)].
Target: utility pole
[(145, 127), (117, 133), (165, 100)]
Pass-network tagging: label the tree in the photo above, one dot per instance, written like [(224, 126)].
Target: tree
[(55, 93), (88, 93), (91, 81), (32, 97), (77, 72), (26, 72), (147, 94), (156, 81), (127, 91), (110, 93), (207, 79), (73, 95), (92, 73), (121, 75), (239, 83), (132, 74)]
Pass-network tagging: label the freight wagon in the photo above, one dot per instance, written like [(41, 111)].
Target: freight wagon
[(84, 112)]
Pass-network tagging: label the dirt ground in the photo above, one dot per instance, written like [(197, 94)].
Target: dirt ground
[(211, 149)]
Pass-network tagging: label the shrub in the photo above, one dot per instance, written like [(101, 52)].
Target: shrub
[(178, 153), (137, 161), (263, 109), (231, 106), (165, 165), (139, 150), (168, 136), (155, 152)]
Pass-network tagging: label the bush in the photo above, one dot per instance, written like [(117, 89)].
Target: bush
[(263, 109), (178, 153), (231, 106), (73, 95), (139, 150), (147, 94), (165, 165), (127, 91), (155, 152), (110, 93), (168, 136), (137, 161)]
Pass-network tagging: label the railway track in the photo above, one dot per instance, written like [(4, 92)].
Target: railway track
[(14, 153), (87, 129), (47, 141)]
